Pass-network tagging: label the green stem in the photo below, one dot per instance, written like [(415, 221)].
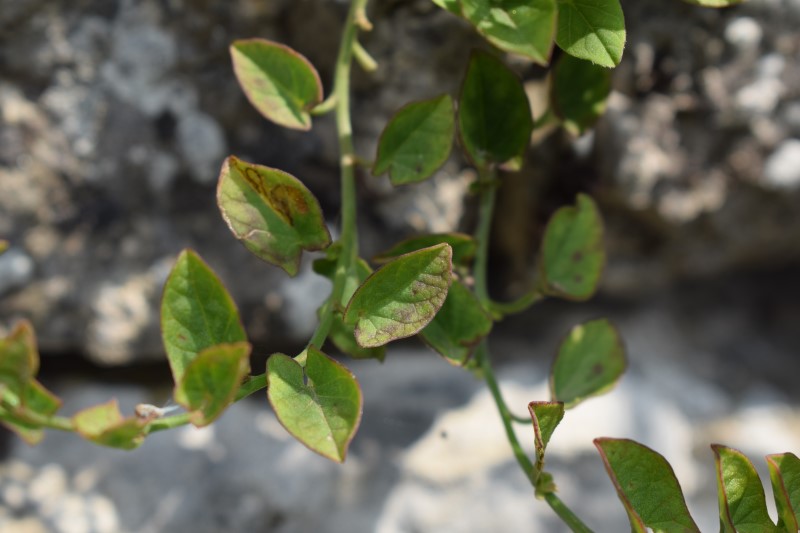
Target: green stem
[(347, 161), (566, 515), (516, 306), (483, 233), (364, 59), (505, 415)]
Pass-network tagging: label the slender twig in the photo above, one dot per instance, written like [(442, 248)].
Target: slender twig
[(564, 512)]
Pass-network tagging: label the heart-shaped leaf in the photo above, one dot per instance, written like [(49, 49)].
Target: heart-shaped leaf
[(784, 472), (524, 27), (104, 424), (211, 379), (416, 141), (319, 404), (401, 298), (578, 93), (280, 83), (545, 416), (494, 116), (19, 359), (592, 29), (647, 487), (463, 245), (458, 326), (590, 361), (196, 313), (572, 255), (742, 505), (274, 215)]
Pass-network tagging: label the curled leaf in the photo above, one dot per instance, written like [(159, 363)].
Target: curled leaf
[(784, 472), (104, 424), (274, 215)]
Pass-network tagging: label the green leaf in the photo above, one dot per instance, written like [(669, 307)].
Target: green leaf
[(524, 27), (784, 472), (280, 83), (416, 141), (320, 405), (23, 418), (464, 247), (458, 326), (103, 424), (274, 215), (647, 487), (196, 313), (545, 416), (211, 380), (19, 359), (592, 29), (572, 252), (401, 298), (713, 3), (343, 336), (449, 5), (494, 115), (578, 93), (742, 505), (590, 361), (3, 246)]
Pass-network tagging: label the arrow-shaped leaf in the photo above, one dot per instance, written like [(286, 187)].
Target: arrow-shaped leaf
[(211, 380), (196, 313), (280, 83), (401, 298), (319, 404), (274, 215)]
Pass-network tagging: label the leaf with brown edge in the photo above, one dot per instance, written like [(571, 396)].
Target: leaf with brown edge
[(104, 424), (274, 215), (784, 473), (320, 403), (211, 380), (279, 82), (19, 359), (545, 416), (402, 297)]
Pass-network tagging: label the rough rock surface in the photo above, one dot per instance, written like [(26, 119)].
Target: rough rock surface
[(116, 116)]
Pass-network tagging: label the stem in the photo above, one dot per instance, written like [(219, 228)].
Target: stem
[(517, 306), (483, 234), (364, 59), (565, 514), (505, 415), (344, 128)]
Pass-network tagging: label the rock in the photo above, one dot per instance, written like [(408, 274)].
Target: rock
[(782, 168), (744, 33), (16, 269)]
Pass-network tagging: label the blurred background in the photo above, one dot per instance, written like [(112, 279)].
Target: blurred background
[(115, 116)]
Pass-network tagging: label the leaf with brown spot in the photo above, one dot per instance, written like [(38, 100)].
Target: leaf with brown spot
[(274, 215)]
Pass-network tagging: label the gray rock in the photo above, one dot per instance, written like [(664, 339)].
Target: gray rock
[(782, 168), (16, 269)]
